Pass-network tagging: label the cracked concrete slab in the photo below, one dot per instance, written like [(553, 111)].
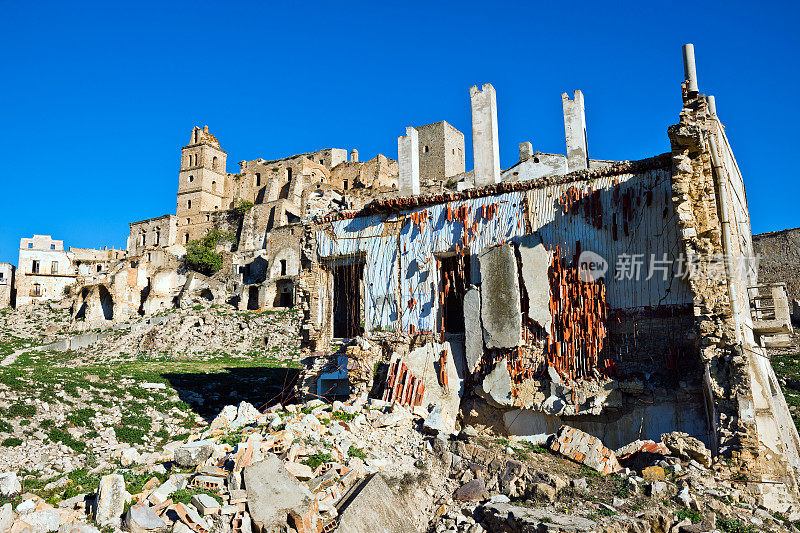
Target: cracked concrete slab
[(500, 306), (472, 328), (535, 266)]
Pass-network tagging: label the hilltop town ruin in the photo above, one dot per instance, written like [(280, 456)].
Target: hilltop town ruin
[(615, 297)]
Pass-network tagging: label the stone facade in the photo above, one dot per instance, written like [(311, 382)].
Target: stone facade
[(779, 259), (44, 270), (152, 234), (7, 272), (441, 151)]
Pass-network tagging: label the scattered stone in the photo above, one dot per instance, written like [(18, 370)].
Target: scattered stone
[(507, 517), (110, 500), (272, 492), (373, 503), (584, 448), (194, 453), (299, 470), (471, 491), (41, 521), (144, 519), (9, 484), (654, 473), (686, 447)]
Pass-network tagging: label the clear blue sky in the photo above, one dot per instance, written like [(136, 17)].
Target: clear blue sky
[(97, 98)]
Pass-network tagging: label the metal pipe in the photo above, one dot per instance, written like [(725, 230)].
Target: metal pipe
[(726, 233), (689, 70)]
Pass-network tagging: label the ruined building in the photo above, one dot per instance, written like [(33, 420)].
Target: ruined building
[(609, 296)]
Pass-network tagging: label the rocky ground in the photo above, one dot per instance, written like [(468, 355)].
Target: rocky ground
[(171, 423)]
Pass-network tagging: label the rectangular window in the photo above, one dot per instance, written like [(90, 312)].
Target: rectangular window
[(52, 246), (54, 267), (35, 267), (37, 290), (30, 245), (1, 276)]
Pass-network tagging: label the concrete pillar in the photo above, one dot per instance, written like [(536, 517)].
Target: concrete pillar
[(485, 144), (712, 105), (525, 151), (354, 155), (689, 69), (408, 162), (575, 132)]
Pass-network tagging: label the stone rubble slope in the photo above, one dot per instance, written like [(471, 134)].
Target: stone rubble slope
[(370, 466)]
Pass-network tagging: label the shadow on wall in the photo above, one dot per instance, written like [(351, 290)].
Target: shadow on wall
[(207, 394)]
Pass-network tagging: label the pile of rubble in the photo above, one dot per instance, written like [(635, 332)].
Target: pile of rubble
[(372, 466)]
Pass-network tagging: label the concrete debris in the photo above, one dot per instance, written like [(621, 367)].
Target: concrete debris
[(144, 519), (508, 517), (686, 447), (272, 492), (496, 387), (372, 507), (194, 453), (584, 448)]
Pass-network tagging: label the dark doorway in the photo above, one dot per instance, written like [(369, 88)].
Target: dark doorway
[(252, 298), (454, 279), (347, 299), (106, 303), (285, 293)]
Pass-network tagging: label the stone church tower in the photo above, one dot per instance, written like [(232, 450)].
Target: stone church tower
[(203, 182)]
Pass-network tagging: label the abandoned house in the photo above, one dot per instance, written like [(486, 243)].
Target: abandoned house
[(610, 296)]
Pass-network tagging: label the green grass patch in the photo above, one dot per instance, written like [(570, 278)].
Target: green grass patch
[(10, 442)]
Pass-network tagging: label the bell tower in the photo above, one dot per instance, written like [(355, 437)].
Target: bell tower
[(202, 180)]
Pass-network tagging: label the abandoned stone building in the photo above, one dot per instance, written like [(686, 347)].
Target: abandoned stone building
[(609, 296), (7, 294), (46, 271)]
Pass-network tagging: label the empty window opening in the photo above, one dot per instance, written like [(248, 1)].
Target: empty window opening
[(142, 239), (454, 280), (190, 178), (347, 299), (52, 246), (2, 276), (149, 256), (158, 238), (35, 267), (188, 204), (54, 267), (208, 217), (186, 238), (345, 184), (321, 162), (289, 173), (99, 268), (285, 294), (188, 220), (252, 298), (283, 267), (258, 179), (206, 294), (37, 289), (30, 245), (425, 149), (214, 186), (215, 163)]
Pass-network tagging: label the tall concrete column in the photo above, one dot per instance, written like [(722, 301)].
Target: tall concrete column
[(485, 144), (689, 69), (575, 132), (408, 162)]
